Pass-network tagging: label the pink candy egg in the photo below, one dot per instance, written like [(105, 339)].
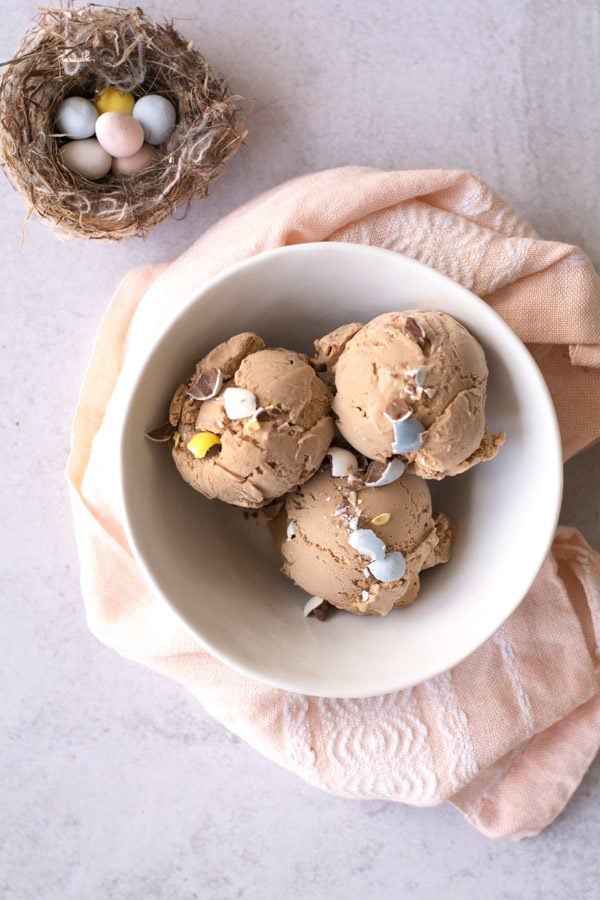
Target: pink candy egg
[(131, 165), (119, 134)]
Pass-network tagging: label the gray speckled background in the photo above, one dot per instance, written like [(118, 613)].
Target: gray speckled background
[(113, 782)]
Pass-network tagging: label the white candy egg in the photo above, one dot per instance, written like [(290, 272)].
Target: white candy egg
[(76, 118), (157, 117), (86, 158)]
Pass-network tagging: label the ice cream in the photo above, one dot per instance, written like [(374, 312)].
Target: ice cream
[(412, 384), (251, 423), (361, 548)]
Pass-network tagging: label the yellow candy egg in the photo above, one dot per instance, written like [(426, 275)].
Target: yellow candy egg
[(112, 100), (201, 443)]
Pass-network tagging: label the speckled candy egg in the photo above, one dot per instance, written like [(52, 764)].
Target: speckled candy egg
[(76, 118), (133, 165), (120, 135), (86, 158), (157, 117), (112, 100)]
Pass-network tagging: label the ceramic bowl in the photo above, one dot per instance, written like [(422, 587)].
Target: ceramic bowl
[(217, 569)]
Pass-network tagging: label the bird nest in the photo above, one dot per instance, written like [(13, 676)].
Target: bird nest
[(77, 52)]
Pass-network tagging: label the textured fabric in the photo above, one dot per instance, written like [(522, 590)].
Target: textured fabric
[(507, 734)]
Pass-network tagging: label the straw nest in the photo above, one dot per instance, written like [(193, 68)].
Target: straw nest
[(78, 52)]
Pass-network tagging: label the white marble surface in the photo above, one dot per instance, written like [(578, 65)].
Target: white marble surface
[(113, 782)]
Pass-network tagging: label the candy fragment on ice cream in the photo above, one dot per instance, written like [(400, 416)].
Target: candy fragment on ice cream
[(343, 462), (201, 443), (239, 403)]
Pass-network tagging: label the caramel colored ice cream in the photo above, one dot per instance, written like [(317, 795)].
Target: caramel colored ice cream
[(411, 384), (251, 423), (360, 550)]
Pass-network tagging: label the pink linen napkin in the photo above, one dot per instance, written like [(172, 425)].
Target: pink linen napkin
[(507, 734)]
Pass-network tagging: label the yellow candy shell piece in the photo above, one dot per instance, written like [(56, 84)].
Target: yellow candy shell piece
[(201, 443), (112, 100)]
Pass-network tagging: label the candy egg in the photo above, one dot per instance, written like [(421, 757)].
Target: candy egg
[(120, 135), (86, 158), (157, 116), (112, 100), (131, 165), (76, 118)]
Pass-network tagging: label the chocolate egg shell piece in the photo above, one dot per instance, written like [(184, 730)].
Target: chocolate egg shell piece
[(204, 444), (311, 604), (318, 608), (161, 434), (343, 462), (391, 568), (397, 410), (407, 436), (366, 542), (419, 374), (240, 403), (206, 385), (416, 331), (382, 473)]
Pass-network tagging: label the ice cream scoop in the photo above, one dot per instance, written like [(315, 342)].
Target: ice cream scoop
[(411, 384), (360, 550), (251, 423)]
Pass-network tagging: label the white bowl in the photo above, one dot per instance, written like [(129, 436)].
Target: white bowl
[(218, 571)]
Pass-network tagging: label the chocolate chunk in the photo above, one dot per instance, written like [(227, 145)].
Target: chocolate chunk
[(206, 385), (322, 611), (415, 331), (356, 482), (397, 410), (363, 462), (264, 413), (162, 433), (213, 451)]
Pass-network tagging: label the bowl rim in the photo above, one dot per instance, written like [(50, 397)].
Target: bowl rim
[(195, 297)]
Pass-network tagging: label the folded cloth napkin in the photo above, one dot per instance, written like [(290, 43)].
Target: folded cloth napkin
[(507, 734)]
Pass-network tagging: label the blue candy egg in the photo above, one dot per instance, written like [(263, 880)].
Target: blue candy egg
[(76, 118), (157, 117)]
